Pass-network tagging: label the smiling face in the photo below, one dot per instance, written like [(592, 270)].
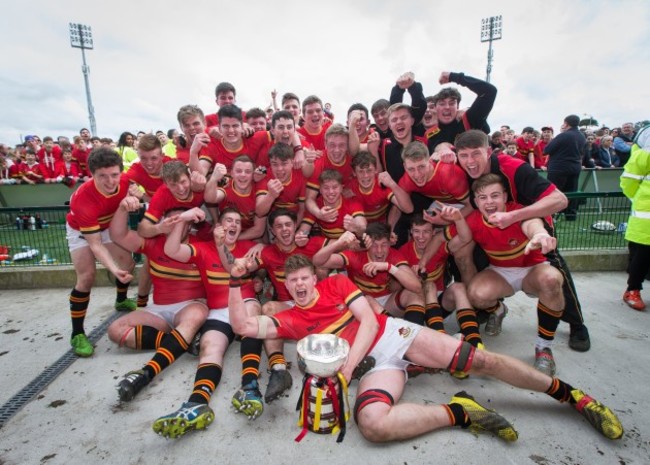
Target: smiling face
[(313, 116), (418, 170), (362, 125), (284, 230), (446, 110), (231, 222), (379, 249), (242, 175), (491, 199), (366, 176), (151, 161), (284, 130), (429, 118), (337, 147), (301, 285), (421, 234), (401, 123), (107, 179), (281, 169), (180, 189), (231, 130), (225, 98), (191, 126), (474, 161), (331, 191), (381, 118), (293, 107), (258, 124)]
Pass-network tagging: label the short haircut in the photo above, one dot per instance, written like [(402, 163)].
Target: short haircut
[(282, 114), (417, 219), (281, 212), (472, 139), (330, 175), (289, 96), (496, 134), (83, 129), (48, 139), (174, 170), (187, 111), (336, 130), (66, 147), (297, 262), (255, 113), (358, 106), (224, 87), (606, 138), (400, 106), (243, 159), (487, 180), (447, 92), (230, 111), (379, 105), (574, 121), (281, 151), (229, 209), (149, 142), (104, 157), (106, 140), (170, 133), (94, 138), (512, 142), (363, 160), (415, 151), (430, 99), (311, 100), (159, 132), (378, 231), (528, 130)]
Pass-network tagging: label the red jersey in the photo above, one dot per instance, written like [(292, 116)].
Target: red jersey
[(48, 160), (524, 148), (213, 119), (163, 201), (91, 211), (376, 286), (149, 182), (250, 146), (81, 157), (324, 163), (435, 267), (314, 141), (375, 202), (504, 247), (334, 229), (291, 196), (448, 183), (244, 203), (213, 274), (272, 259), (183, 154), (540, 159), (329, 314), (173, 281), (67, 169), (18, 169), (36, 173)]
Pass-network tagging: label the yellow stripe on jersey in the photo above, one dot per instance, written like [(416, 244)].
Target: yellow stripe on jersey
[(369, 287), (508, 254), (105, 219), (339, 325), (166, 272), (217, 277), (90, 230)]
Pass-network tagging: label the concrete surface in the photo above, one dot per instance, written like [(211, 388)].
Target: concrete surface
[(78, 419)]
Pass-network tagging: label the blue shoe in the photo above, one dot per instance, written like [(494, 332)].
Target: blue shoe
[(248, 400), (191, 415)]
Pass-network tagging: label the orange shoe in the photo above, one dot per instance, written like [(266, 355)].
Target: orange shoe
[(633, 299)]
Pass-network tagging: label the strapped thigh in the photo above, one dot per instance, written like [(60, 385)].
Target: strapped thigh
[(462, 359)]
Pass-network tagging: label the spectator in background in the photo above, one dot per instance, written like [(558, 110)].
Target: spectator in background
[(33, 173), (623, 142), (538, 153), (590, 153), (328, 111), (496, 141), (80, 154), (162, 137), (95, 142), (67, 170), (33, 143), (126, 150), (48, 156), (564, 156), (169, 148), (635, 185), (84, 133), (511, 149), (526, 146), (291, 103), (607, 157), (508, 135)]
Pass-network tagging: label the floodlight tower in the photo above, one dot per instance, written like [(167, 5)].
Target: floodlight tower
[(490, 30), (81, 36)]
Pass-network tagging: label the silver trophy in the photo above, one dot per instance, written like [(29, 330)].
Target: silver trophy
[(322, 355)]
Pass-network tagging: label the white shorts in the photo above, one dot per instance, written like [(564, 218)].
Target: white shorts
[(392, 345), (514, 275), (383, 299), (221, 314), (76, 239), (168, 312)]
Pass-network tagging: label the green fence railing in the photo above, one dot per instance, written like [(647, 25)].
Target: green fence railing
[(35, 236)]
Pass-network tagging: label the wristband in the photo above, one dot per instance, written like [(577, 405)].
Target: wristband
[(392, 269), (297, 148), (234, 282)]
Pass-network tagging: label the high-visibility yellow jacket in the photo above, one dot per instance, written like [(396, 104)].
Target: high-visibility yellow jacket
[(635, 183)]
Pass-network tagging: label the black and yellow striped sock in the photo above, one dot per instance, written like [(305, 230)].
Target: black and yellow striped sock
[(147, 338), (547, 321), (78, 306), (415, 314), (122, 289), (142, 300), (433, 317), (468, 325), (171, 347), (559, 390), (250, 352), (457, 415), (277, 358), (206, 381)]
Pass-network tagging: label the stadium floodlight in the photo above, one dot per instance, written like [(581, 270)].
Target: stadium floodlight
[(81, 36)]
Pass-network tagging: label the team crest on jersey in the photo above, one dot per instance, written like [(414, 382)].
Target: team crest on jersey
[(404, 332), (340, 307), (513, 242), (432, 132)]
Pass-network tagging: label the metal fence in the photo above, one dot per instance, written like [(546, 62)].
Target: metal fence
[(35, 236)]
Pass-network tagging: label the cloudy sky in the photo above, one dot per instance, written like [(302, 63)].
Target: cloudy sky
[(556, 58)]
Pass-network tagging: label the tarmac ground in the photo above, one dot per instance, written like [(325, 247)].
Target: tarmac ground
[(77, 418)]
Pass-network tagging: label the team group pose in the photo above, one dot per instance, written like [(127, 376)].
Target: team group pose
[(376, 233)]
